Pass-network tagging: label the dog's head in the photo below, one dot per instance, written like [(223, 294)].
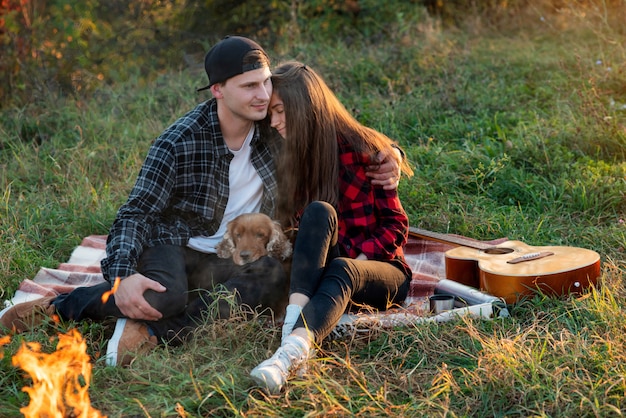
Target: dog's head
[(250, 236)]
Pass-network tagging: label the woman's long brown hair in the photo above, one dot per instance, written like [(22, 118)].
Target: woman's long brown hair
[(308, 169)]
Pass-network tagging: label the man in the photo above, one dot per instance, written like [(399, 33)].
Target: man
[(209, 166)]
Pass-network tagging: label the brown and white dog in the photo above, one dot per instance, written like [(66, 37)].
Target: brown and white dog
[(251, 236)]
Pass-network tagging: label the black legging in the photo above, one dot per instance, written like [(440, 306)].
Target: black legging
[(333, 282)]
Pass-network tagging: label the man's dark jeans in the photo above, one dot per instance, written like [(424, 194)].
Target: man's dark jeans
[(187, 275)]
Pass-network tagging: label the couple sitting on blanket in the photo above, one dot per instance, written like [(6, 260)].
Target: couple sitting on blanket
[(261, 132)]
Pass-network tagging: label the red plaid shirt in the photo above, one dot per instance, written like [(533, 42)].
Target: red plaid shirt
[(372, 220)]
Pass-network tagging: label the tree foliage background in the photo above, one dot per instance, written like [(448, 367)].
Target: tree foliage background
[(68, 47)]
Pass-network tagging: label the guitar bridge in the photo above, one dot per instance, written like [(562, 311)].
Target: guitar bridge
[(529, 257)]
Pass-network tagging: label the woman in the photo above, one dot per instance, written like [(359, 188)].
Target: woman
[(350, 233)]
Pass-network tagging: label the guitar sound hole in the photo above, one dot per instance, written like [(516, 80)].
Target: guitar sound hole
[(498, 250)]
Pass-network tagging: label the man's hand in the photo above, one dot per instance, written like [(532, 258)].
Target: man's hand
[(129, 297), (387, 172)]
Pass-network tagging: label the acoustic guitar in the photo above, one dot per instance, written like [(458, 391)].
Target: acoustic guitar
[(513, 269)]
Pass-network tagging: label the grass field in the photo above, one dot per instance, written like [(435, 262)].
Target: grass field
[(517, 130)]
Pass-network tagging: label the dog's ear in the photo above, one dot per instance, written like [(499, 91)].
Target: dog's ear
[(226, 246), (279, 245)]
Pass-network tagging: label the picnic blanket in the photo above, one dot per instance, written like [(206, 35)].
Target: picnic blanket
[(425, 257)]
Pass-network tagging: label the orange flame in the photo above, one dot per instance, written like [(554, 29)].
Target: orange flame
[(107, 295), (60, 379), (4, 340)]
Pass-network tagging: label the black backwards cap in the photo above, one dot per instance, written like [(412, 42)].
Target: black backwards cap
[(225, 59)]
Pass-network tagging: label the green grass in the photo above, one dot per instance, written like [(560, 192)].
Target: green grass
[(513, 131)]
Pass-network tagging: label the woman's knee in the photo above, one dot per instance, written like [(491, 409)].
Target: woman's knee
[(319, 210), (316, 242)]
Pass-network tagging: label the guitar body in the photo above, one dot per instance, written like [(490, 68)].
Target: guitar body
[(513, 269)]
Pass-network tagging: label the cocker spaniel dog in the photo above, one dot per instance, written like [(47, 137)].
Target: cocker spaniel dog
[(251, 236)]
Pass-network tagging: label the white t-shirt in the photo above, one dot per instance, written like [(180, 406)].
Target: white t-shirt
[(246, 191)]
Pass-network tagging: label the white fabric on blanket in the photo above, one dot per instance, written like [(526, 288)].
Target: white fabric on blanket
[(82, 269)]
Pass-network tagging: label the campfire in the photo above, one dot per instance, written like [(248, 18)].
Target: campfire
[(60, 379)]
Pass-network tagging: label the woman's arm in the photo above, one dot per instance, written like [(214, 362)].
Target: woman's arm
[(372, 219), (390, 231)]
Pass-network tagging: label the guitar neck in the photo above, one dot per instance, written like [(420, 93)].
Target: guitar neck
[(449, 239)]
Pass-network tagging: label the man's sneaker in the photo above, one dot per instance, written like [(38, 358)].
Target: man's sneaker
[(27, 315), (129, 339), (273, 373)]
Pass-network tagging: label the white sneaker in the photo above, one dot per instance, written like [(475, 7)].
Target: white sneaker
[(273, 373)]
